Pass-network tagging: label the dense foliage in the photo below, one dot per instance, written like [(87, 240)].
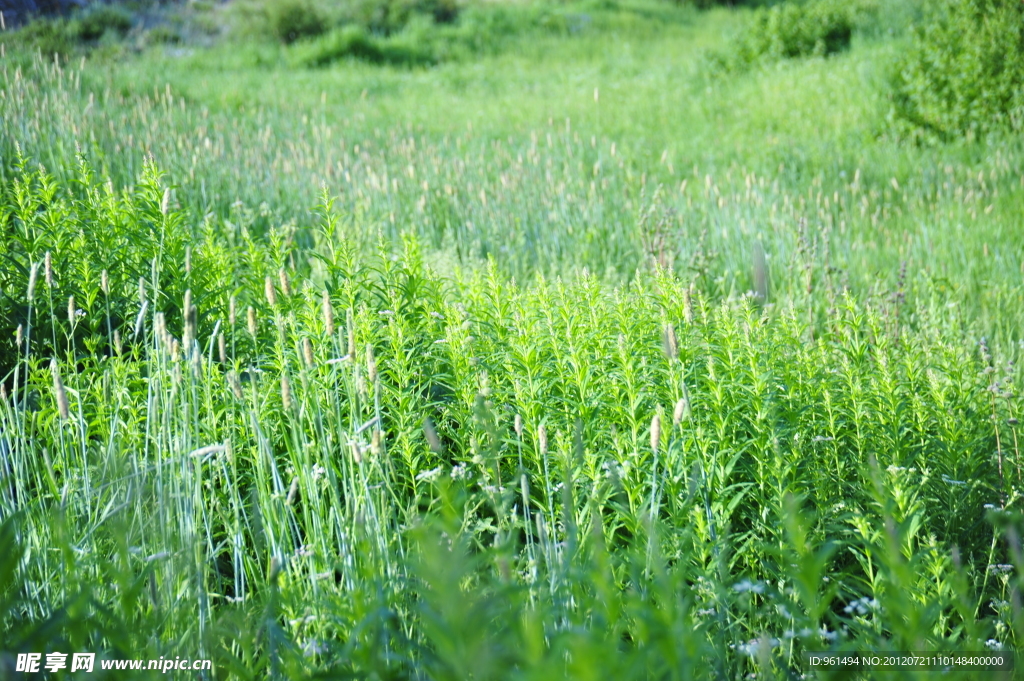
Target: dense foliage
[(791, 30), (964, 70), (568, 360), (625, 472)]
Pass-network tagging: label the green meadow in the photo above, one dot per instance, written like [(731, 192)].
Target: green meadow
[(531, 340)]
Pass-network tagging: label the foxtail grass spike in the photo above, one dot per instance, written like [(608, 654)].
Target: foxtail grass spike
[(59, 392)]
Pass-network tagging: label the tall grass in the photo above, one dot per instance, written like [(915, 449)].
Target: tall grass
[(394, 474), (352, 390), (555, 195)]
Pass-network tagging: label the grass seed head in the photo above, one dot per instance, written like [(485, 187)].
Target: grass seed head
[(328, 313), (350, 322), (542, 439), (48, 269), (165, 204), (307, 352), (518, 426), (232, 311), (286, 392), (105, 282), (251, 321), (32, 275), (286, 285), (71, 310), (19, 336), (142, 291), (189, 332), (655, 432), (430, 433), (670, 343), (222, 350), (269, 291), (59, 392), (235, 384), (117, 342), (375, 443), (293, 491), (371, 364), (760, 273), (160, 327), (681, 411)]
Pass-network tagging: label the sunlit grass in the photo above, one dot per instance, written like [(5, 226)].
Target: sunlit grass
[(573, 361)]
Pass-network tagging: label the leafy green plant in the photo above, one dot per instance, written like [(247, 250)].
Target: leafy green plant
[(391, 16), (99, 19), (962, 72), (47, 36), (791, 30), (292, 20), (355, 42), (476, 475)]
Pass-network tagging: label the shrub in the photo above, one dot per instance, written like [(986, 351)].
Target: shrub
[(963, 73), (356, 43), (101, 19), (391, 16), (292, 20), (48, 36), (164, 34), (799, 30), (792, 30)]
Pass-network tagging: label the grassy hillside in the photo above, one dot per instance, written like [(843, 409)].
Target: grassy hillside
[(575, 351)]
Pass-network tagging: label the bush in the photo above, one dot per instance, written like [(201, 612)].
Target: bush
[(793, 30), (164, 34), (963, 74), (48, 36), (101, 19), (292, 20), (354, 42), (391, 16), (799, 30)]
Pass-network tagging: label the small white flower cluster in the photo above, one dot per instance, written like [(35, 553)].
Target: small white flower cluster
[(861, 606), (318, 472), (428, 475), (754, 645), (746, 585), (613, 469), (1000, 569), (993, 644), (789, 634), (313, 647), (459, 472)]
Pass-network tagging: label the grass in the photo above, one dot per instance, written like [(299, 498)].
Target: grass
[(572, 360)]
